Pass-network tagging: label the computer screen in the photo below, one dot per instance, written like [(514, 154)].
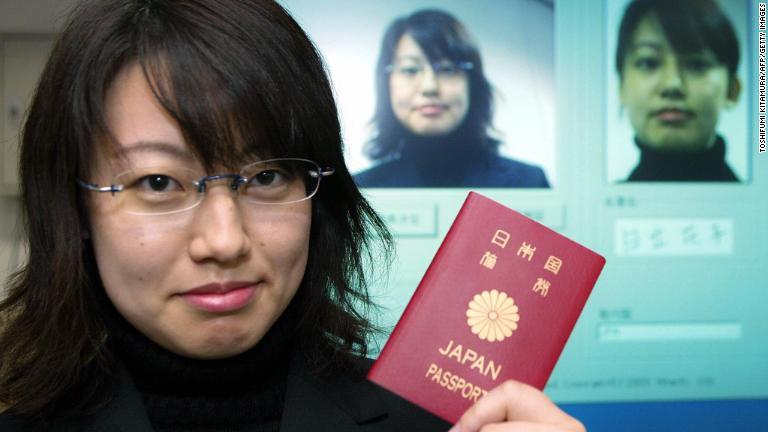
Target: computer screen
[(603, 103)]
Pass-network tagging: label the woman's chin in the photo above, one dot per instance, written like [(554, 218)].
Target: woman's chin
[(216, 346), (677, 140), (678, 145), (432, 130)]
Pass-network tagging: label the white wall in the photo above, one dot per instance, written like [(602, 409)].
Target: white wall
[(33, 16), (27, 18), (10, 240)]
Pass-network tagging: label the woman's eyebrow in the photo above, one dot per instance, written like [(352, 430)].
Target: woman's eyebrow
[(409, 57), (156, 147), (652, 45)]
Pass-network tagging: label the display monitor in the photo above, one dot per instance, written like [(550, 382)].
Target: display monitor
[(674, 336)]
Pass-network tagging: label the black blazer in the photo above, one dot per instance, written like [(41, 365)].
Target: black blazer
[(339, 403), (494, 172)]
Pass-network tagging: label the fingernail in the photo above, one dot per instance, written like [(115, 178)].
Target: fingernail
[(455, 428)]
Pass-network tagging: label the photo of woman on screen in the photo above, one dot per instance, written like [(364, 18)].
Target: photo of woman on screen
[(677, 64), (434, 111)]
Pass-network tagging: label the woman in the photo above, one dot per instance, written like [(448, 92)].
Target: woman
[(433, 112), (677, 64), (195, 240)]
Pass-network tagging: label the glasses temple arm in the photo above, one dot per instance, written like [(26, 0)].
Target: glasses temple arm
[(96, 188), (324, 172)]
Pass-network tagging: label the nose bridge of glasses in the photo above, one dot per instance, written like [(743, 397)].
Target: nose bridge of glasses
[(237, 180), (206, 192)]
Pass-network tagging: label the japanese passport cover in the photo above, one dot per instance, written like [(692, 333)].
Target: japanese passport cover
[(498, 302)]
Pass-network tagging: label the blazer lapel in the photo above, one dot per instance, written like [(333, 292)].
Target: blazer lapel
[(126, 413), (334, 404)]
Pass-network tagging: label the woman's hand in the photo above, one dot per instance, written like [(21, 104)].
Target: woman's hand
[(516, 407)]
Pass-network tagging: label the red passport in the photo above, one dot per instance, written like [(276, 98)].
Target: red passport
[(498, 302)]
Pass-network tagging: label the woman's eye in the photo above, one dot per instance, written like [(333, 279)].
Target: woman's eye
[(698, 65), (158, 183), (447, 69), (409, 70), (647, 63), (268, 178)]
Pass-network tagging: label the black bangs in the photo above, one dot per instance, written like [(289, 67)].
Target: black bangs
[(692, 26), (680, 27), (691, 30), (442, 37), (228, 73), (227, 108)]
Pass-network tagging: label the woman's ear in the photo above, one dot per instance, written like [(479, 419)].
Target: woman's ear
[(734, 90)]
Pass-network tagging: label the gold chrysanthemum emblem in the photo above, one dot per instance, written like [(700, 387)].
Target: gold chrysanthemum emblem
[(492, 315)]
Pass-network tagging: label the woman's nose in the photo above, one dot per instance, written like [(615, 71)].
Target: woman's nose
[(429, 81), (671, 80), (218, 229)]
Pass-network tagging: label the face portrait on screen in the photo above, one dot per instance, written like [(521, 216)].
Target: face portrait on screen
[(433, 112), (428, 99), (677, 65), (673, 99)]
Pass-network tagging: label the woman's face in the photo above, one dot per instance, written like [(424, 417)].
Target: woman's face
[(425, 102), (673, 100), (204, 283)]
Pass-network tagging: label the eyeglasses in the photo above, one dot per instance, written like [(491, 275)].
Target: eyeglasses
[(164, 189), (414, 71)]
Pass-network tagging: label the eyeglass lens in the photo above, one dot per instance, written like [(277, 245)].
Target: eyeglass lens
[(170, 188)]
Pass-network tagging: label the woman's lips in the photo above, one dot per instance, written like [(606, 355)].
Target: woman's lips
[(220, 297), (431, 110), (673, 115)]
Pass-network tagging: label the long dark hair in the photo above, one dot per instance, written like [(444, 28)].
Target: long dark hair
[(690, 25), (229, 72), (441, 36)]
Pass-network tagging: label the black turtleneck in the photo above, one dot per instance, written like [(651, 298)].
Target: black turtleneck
[(701, 166), (241, 393)]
